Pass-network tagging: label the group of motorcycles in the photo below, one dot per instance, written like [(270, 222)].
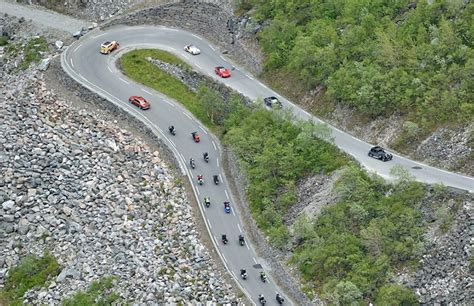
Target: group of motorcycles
[(227, 209), (278, 297)]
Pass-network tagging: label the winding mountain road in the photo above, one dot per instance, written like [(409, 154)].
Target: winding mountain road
[(97, 72)]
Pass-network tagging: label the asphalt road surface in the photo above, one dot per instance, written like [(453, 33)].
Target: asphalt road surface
[(97, 72), (83, 61)]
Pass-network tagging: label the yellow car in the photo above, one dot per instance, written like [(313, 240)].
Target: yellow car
[(108, 47)]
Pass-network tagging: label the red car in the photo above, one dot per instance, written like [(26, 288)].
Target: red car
[(139, 101), (222, 72)]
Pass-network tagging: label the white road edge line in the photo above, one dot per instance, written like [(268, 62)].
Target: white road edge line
[(220, 177), (226, 194), (240, 230), (210, 226), (217, 160), (248, 248), (214, 144), (254, 260), (72, 64), (197, 190), (197, 65), (99, 35), (187, 115), (125, 81), (205, 132), (73, 51), (109, 69), (168, 102), (196, 36), (212, 48), (223, 256), (147, 91), (233, 212)]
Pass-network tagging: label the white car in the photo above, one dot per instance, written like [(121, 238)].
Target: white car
[(192, 49)]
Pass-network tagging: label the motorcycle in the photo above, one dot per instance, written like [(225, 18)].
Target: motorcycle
[(196, 137), (216, 179), (172, 130), (207, 202), (224, 239), (241, 240), (206, 157), (262, 300), (263, 277), (200, 180), (279, 299), (192, 164), (243, 274), (227, 207)]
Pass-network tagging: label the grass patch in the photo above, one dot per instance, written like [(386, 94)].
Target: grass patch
[(3, 40), (31, 272), (136, 67), (99, 293), (32, 51)]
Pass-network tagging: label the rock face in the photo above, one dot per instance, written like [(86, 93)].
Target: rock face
[(444, 276), (98, 200)]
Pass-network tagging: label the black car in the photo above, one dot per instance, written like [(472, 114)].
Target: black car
[(272, 102), (378, 152)]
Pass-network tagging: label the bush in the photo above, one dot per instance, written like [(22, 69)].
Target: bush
[(33, 50), (99, 293), (3, 40), (31, 272), (395, 295)]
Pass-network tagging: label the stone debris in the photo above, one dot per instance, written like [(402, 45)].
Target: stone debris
[(82, 188)]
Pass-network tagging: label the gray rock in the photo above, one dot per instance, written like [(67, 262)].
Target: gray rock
[(68, 273), (59, 44), (8, 205), (44, 65), (23, 226)]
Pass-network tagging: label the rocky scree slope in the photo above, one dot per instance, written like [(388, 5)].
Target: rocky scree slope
[(97, 199)]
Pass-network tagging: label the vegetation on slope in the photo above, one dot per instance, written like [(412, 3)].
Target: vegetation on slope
[(348, 253), (31, 272), (377, 56), (98, 294)]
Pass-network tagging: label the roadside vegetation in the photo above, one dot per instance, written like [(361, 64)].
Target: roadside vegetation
[(379, 57), (98, 294), (3, 41), (32, 272), (349, 253), (32, 51)]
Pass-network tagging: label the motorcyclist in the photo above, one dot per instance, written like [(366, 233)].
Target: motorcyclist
[(191, 162), (171, 129), (200, 179), (224, 238), (206, 156), (216, 179), (263, 277), (261, 299), (241, 239), (279, 298), (207, 201), (243, 273)]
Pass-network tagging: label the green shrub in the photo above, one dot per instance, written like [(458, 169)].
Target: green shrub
[(31, 272), (3, 41), (395, 295), (32, 51), (99, 293)]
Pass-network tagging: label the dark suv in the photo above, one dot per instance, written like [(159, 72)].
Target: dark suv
[(379, 153), (272, 102)]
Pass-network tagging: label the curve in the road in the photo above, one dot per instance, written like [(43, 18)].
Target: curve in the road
[(98, 73)]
